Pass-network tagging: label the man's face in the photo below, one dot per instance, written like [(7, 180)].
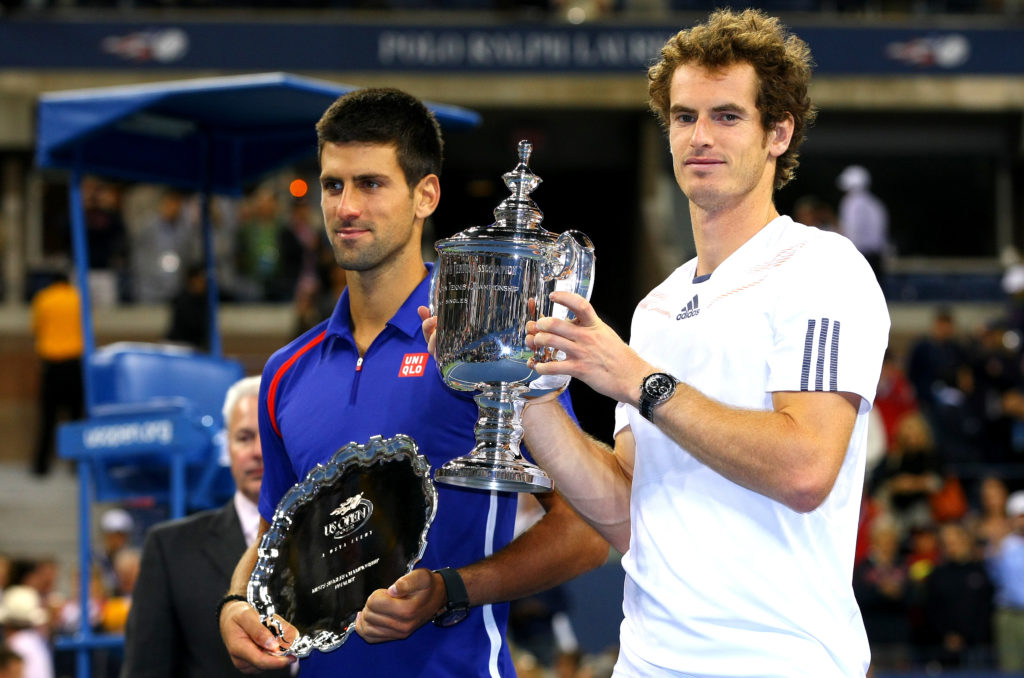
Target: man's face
[(370, 213), (244, 448), (720, 151)]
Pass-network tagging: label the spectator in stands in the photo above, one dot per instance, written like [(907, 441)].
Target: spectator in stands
[(11, 664), (908, 476), (958, 602), (24, 621), (863, 218), (995, 395), (116, 527), (162, 248), (269, 253), (39, 574), (1006, 567), (57, 326), (190, 314), (187, 565), (882, 587), (813, 211), (990, 523), (114, 613), (895, 397), (106, 238), (938, 370)]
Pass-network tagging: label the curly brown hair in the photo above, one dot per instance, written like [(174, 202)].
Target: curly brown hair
[(781, 61)]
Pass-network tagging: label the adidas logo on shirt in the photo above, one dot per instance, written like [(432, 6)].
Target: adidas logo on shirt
[(689, 310)]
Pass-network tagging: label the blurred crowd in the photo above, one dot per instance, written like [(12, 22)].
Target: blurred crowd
[(939, 571), (145, 247), (35, 607)]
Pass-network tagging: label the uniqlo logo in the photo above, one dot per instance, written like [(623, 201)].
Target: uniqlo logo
[(413, 365)]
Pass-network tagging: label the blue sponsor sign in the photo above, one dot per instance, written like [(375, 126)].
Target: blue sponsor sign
[(467, 48)]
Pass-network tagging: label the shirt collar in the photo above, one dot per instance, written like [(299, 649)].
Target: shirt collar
[(248, 516), (406, 319)]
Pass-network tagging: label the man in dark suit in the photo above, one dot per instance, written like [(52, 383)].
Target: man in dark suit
[(172, 628)]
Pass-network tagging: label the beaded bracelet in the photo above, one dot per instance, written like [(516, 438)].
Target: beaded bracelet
[(227, 599)]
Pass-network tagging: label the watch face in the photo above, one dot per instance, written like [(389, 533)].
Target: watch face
[(658, 385), (451, 617)]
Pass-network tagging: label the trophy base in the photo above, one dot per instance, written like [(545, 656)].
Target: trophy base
[(487, 474)]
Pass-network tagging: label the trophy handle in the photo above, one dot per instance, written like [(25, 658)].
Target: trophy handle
[(577, 274)]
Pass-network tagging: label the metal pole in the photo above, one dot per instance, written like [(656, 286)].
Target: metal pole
[(80, 250)]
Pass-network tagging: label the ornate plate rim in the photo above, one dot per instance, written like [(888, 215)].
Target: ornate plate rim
[(375, 450)]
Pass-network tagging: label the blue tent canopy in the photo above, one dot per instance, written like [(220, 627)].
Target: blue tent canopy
[(209, 134)]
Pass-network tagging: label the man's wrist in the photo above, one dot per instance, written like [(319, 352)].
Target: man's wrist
[(228, 599), (456, 607)]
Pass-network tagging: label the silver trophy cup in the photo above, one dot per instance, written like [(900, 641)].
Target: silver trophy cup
[(488, 282)]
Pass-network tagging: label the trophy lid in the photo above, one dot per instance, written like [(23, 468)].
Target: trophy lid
[(518, 211), (517, 218)]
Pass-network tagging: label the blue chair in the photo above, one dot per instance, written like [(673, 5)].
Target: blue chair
[(154, 427)]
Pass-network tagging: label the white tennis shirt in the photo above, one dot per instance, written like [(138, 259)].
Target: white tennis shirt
[(722, 581)]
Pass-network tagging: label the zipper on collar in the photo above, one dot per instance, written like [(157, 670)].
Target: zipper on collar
[(355, 382)]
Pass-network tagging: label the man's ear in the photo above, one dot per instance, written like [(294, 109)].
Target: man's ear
[(427, 194), (780, 135)]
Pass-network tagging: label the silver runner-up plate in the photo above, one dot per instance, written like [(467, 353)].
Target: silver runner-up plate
[(354, 525)]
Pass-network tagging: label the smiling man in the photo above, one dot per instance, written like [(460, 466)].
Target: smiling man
[(347, 379), (734, 484)]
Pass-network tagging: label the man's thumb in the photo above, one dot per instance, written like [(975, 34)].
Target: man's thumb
[(408, 584)]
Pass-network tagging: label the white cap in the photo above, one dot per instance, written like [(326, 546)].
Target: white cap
[(21, 606), (116, 520), (853, 178), (1015, 504)]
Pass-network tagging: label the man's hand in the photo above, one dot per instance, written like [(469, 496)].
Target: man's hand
[(394, 613), (249, 642), (429, 326), (593, 351)]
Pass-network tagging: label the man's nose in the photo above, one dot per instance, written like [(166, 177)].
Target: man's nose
[(349, 206), (701, 135)]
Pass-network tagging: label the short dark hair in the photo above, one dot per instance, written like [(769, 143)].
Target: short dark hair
[(781, 60), (386, 116)]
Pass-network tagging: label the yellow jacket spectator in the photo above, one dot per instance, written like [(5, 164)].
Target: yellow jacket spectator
[(56, 323)]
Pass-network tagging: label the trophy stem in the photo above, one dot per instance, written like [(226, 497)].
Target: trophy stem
[(495, 463), (499, 428)]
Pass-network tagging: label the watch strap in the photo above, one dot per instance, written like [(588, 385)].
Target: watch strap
[(455, 587)]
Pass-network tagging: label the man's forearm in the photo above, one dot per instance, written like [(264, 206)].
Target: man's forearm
[(595, 480), (553, 550), (243, 571), (247, 563)]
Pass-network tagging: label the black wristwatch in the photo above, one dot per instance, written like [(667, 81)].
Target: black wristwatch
[(655, 389), (457, 607)]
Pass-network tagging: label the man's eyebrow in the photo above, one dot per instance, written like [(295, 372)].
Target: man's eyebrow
[(369, 176), (720, 108)]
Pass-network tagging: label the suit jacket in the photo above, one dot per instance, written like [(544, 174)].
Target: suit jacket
[(186, 568)]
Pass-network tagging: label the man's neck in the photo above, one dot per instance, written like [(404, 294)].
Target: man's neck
[(720, 232), (375, 296)]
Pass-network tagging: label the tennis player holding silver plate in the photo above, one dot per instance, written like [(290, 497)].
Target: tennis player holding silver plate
[(354, 525)]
